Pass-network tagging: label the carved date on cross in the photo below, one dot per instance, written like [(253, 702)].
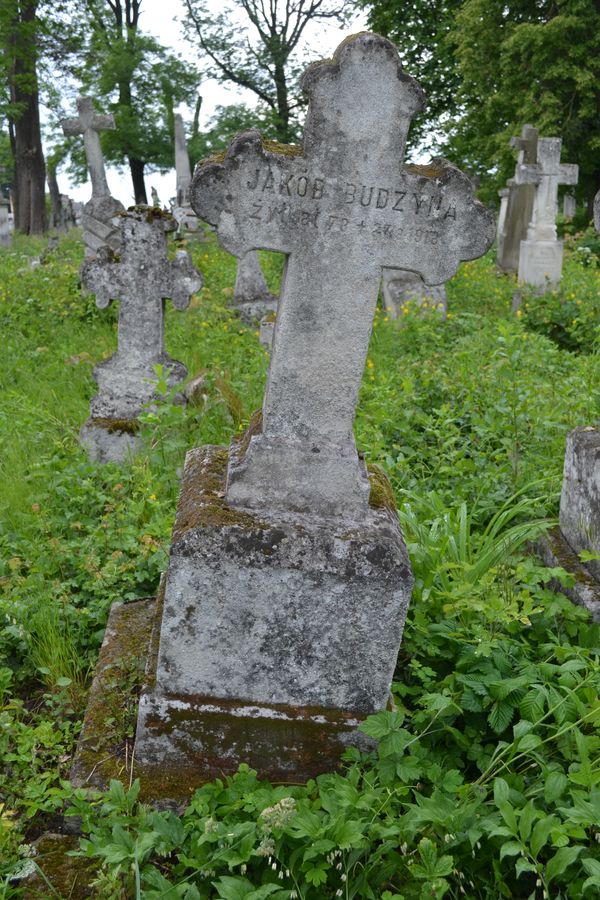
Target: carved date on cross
[(342, 207)]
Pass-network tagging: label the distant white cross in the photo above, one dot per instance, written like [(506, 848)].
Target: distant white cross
[(89, 124)]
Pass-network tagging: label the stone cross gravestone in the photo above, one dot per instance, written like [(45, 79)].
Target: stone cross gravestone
[(141, 278), (401, 290), (579, 516), (288, 579), (251, 295), (98, 213), (183, 212), (541, 254), (519, 204), (569, 206), (5, 229)]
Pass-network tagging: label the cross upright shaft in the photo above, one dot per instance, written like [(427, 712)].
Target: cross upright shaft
[(341, 208)]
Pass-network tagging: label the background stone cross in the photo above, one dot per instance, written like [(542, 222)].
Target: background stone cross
[(547, 173), (90, 124), (526, 144), (140, 278), (342, 207)]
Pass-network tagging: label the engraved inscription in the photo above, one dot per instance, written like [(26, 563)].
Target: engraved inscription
[(297, 200)]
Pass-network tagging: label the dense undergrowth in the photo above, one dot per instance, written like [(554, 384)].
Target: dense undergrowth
[(486, 780)]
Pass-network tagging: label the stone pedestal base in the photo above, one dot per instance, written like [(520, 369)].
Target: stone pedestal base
[(580, 499), (540, 263), (110, 434), (109, 440), (277, 635)]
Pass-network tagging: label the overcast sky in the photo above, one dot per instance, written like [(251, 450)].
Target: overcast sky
[(321, 41)]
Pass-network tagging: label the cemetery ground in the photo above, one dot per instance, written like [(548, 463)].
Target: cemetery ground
[(486, 778)]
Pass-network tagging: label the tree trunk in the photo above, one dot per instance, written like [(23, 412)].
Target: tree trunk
[(283, 108), (136, 167), (30, 171)]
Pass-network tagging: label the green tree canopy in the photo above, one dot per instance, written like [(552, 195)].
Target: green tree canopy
[(256, 46), (133, 76), (491, 66)]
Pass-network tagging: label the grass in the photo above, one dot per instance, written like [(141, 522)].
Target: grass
[(487, 773)]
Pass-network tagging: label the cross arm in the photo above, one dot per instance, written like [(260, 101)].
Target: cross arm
[(528, 174), (101, 276), (569, 173), (103, 123), (71, 127)]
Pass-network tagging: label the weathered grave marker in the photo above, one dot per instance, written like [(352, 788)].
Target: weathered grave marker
[(400, 290), (99, 212), (541, 254), (519, 204), (5, 229), (183, 212), (251, 295), (569, 206), (503, 194), (288, 579), (141, 278), (579, 515)]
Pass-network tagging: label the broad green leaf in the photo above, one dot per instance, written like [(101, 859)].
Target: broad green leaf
[(500, 715), (510, 848), (560, 861), (541, 833), (556, 782), (501, 790), (527, 817)]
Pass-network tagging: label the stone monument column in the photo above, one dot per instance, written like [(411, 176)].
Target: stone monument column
[(519, 204)]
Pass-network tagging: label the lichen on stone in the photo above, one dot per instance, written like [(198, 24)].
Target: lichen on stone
[(129, 426), (382, 493), (202, 502)]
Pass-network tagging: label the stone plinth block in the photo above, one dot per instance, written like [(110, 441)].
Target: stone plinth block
[(540, 263), (278, 634), (580, 499)]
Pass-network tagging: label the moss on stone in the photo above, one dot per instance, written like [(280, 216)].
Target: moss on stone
[(431, 170), (281, 149), (381, 495), (102, 752), (202, 500), (254, 428), (68, 876), (129, 426), (269, 318)]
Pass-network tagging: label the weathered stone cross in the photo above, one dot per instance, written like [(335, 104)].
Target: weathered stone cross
[(89, 124), (341, 207), (526, 144), (140, 278), (547, 173)]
